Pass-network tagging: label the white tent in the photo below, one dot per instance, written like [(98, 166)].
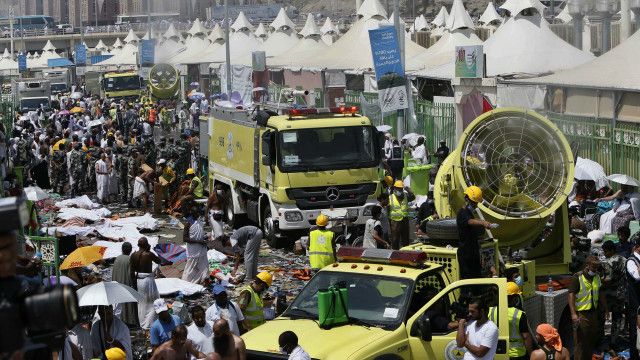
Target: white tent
[(420, 23), (515, 7), (196, 42), (100, 46), (242, 42), (7, 64), (438, 60), (261, 32), (329, 32), (353, 51), (116, 47), (127, 56), (520, 44), (131, 38), (172, 34), (441, 19), (280, 41), (489, 15), (616, 69), (312, 42), (241, 22), (147, 36), (41, 61), (216, 38)]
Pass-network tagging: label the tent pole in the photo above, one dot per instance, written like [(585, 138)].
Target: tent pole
[(227, 47)]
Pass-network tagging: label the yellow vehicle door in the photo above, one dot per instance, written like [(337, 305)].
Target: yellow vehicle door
[(432, 330)]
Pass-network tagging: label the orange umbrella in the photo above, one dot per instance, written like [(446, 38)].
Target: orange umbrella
[(77, 109), (83, 256)]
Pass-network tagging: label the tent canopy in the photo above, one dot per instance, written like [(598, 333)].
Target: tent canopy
[(328, 27), (518, 46), (310, 27), (282, 20), (599, 73), (131, 37), (490, 14), (241, 22), (441, 19), (515, 7), (261, 31), (459, 17)]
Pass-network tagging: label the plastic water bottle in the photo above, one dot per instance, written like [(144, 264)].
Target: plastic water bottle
[(550, 285)]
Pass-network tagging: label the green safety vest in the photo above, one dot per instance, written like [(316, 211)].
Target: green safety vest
[(587, 297), (399, 209), (197, 192), (320, 248), (254, 313), (516, 341)]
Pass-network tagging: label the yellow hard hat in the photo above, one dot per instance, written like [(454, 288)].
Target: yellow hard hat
[(115, 354), (388, 180), (398, 184), (513, 288), (322, 220), (190, 171), (474, 194), (265, 277)]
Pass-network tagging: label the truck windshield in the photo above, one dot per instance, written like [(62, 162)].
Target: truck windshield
[(121, 83), (373, 300), (34, 103), (327, 149), (59, 87)]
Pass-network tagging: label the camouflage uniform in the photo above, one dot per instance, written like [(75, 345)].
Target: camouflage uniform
[(77, 170), (59, 171)]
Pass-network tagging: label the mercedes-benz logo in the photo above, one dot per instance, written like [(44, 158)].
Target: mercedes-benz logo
[(332, 194)]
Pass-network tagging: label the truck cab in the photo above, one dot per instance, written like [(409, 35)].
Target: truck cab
[(282, 171), (399, 306), (31, 94), (122, 85)]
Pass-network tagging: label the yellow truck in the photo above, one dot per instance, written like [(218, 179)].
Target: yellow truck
[(121, 85), (281, 171), (399, 306), (524, 166)]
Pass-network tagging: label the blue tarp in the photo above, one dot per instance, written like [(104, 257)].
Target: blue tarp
[(98, 58), (61, 62)]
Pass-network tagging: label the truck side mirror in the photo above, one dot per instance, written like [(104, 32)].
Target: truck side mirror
[(267, 143), (424, 325)]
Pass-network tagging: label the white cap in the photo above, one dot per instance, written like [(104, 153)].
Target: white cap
[(159, 305), (162, 162), (233, 241)]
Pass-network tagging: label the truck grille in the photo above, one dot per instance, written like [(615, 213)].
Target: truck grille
[(338, 196)]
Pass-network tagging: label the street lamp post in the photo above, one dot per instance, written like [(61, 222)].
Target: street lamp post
[(12, 14)]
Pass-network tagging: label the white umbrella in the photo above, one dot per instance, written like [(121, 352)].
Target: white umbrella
[(107, 293), (590, 170), (412, 138), (383, 128), (35, 193), (623, 179), (95, 122), (76, 95)]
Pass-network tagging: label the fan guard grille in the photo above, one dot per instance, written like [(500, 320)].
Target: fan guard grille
[(518, 161)]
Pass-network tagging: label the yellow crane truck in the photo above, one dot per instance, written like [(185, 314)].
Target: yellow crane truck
[(281, 171), (404, 304)]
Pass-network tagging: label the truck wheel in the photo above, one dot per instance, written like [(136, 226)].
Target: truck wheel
[(565, 329), (442, 229), (269, 229)]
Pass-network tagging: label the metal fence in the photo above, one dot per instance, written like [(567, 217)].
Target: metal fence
[(615, 147), (436, 121)]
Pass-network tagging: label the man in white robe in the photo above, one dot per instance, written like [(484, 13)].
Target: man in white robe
[(102, 179), (196, 269)]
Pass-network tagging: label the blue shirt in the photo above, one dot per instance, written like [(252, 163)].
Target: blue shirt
[(161, 331)]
